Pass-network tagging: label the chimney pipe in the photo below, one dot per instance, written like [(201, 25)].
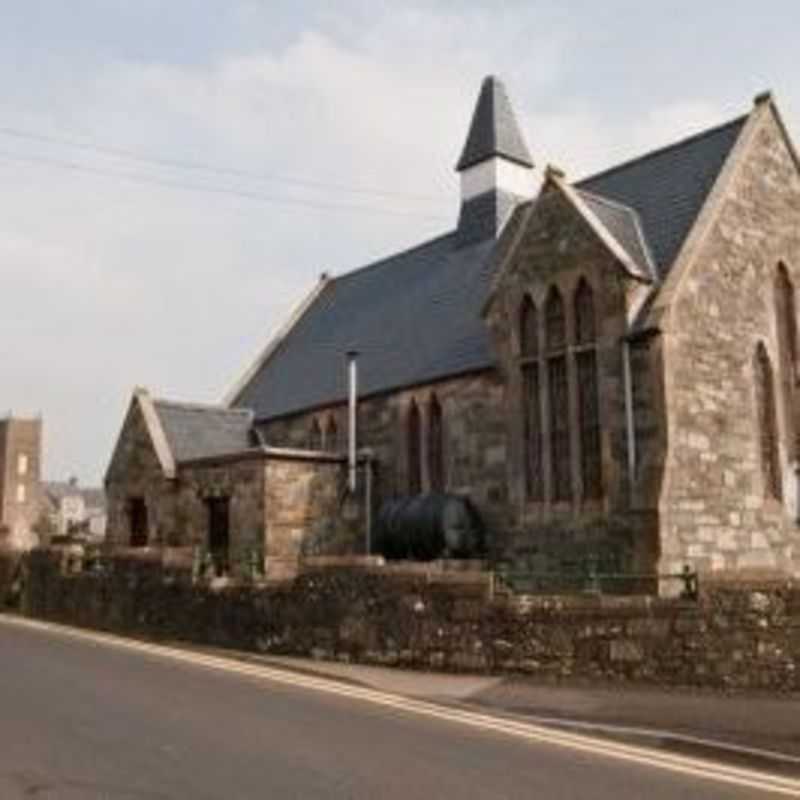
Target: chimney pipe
[(352, 369)]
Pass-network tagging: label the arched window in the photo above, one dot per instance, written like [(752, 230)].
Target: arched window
[(767, 423), (588, 396), (585, 332), (555, 322), (332, 434), (786, 321), (435, 445), (528, 329), (413, 449), (315, 436), (531, 401), (558, 396)]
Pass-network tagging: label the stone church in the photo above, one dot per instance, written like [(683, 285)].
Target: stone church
[(606, 366)]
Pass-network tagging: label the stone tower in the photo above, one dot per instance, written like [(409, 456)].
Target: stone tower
[(20, 481)]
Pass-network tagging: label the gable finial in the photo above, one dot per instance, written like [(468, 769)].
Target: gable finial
[(763, 97)]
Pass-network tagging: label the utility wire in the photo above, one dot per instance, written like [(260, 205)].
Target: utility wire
[(244, 193), (119, 152)]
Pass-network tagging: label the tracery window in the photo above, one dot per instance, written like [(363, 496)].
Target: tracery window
[(767, 423), (588, 396), (531, 401), (558, 395), (413, 450), (435, 445)]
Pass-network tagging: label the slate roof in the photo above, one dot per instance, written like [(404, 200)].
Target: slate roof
[(494, 130), (667, 188), (623, 223), (196, 431), (413, 317), (416, 317)]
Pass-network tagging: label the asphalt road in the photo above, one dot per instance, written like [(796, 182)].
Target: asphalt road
[(85, 719)]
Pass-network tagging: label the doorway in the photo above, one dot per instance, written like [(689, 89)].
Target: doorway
[(219, 533)]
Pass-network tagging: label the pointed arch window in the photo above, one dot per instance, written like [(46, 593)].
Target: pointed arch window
[(435, 445), (315, 436), (767, 423), (558, 396), (531, 400), (588, 394), (786, 323), (528, 329), (585, 326), (413, 450), (332, 434), (787, 320)]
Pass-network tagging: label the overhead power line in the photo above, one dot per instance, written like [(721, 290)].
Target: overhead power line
[(173, 163), (74, 166)]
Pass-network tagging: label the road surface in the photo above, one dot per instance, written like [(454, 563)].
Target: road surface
[(84, 717)]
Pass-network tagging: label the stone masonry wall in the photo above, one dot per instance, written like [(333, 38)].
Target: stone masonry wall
[(10, 561), (306, 512), (735, 637), (20, 437), (475, 440), (244, 483), (716, 511), (278, 502)]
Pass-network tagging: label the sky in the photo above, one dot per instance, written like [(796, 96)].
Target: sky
[(175, 176)]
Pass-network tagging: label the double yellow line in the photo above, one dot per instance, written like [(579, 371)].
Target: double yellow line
[(694, 767)]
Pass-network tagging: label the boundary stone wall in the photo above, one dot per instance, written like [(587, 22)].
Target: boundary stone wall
[(735, 637), (9, 565)]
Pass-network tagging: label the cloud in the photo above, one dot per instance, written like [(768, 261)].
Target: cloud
[(118, 282)]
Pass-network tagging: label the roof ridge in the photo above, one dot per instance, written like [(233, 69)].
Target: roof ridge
[(188, 406), (664, 149), (392, 256)]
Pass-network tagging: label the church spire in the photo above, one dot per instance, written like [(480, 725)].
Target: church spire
[(494, 130), (495, 166)]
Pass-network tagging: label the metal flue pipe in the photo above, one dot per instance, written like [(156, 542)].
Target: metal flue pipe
[(352, 371)]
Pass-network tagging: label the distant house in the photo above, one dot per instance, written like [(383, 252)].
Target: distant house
[(606, 367), (75, 509)]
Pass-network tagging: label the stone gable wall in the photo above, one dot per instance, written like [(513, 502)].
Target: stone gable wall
[(558, 249), (715, 510), (135, 471)]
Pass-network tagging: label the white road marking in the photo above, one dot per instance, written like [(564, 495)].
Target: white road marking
[(657, 733), (696, 767)]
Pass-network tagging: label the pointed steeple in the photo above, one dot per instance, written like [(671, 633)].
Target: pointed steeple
[(494, 130), (496, 167)]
